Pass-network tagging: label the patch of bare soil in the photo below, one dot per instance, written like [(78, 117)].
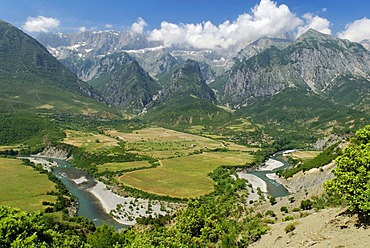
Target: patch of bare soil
[(330, 227), (327, 228)]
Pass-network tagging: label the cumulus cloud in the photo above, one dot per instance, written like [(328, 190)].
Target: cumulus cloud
[(265, 19), (40, 24), (357, 31), (108, 26), (315, 22), (82, 29), (138, 27)]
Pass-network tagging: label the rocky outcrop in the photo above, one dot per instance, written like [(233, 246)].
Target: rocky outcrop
[(54, 152), (315, 61)]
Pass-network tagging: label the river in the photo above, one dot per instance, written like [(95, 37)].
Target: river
[(273, 188), (89, 205)]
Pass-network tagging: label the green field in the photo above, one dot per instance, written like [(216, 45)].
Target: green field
[(184, 177), (123, 166), (92, 142), (164, 143), (23, 187)]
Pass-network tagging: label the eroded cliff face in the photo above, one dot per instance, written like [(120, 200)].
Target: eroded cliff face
[(314, 62), (54, 152)]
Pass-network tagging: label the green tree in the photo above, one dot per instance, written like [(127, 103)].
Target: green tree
[(352, 174), (104, 236)]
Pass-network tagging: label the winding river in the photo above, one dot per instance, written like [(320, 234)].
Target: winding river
[(79, 182), (89, 205), (273, 188)]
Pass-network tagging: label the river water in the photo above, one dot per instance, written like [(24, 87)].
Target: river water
[(273, 188), (89, 206), (91, 209)]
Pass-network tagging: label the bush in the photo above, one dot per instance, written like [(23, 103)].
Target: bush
[(290, 227), (284, 209), (270, 212), (351, 182), (272, 200), (288, 218), (306, 204)]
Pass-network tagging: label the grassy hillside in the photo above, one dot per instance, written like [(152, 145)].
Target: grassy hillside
[(31, 78), (296, 117), (187, 111)]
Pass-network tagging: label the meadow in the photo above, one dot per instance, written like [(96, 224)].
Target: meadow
[(162, 143), (122, 166), (185, 159), (90, 141), (23, 187), (304, 155), (184, 177)]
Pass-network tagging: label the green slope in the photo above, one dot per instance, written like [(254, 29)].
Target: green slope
[(32, 79)]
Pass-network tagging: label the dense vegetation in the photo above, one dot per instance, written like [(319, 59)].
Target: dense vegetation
[(33, 131), (352, 174), (322, 159)]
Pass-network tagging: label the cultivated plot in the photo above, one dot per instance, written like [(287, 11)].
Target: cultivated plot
[(184, 177), (90, 141), (23, 187)]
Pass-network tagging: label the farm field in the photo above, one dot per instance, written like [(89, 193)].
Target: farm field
[(164, 143), (304, 155), (184, 177), (123, 166), (15, 147), (23, 187), (90, 141)]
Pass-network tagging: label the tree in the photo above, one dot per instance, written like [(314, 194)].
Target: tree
[(104, 236), (352, 174)]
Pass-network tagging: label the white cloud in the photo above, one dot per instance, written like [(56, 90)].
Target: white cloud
[(82, 29), (40, 24), (315, 22), (138, 27), (357, 31), (265, 19), (108, 26)]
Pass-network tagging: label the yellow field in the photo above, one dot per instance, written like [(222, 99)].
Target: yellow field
[(14, 147), (304, 155), (23, 187), (122, 166), (244, 125), (163, 143), (88, 140), (184, 177)]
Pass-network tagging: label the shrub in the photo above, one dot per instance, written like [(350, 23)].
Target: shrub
[(288, 218), (272, 200), (270, 212), (290, 227), (284, 209), (306, 204)]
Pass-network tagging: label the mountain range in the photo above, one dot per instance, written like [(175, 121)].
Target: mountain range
[(132, 75)]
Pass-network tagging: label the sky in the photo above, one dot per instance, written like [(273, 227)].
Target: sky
[(199, 23)]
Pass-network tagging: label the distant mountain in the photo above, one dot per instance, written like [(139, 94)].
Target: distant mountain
[(122, 82), (315, 62), (77, 49), (186, 81), (31, 78), (186, 100)]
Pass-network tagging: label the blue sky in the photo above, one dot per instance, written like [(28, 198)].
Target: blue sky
[(122, 13), (226, 22)]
